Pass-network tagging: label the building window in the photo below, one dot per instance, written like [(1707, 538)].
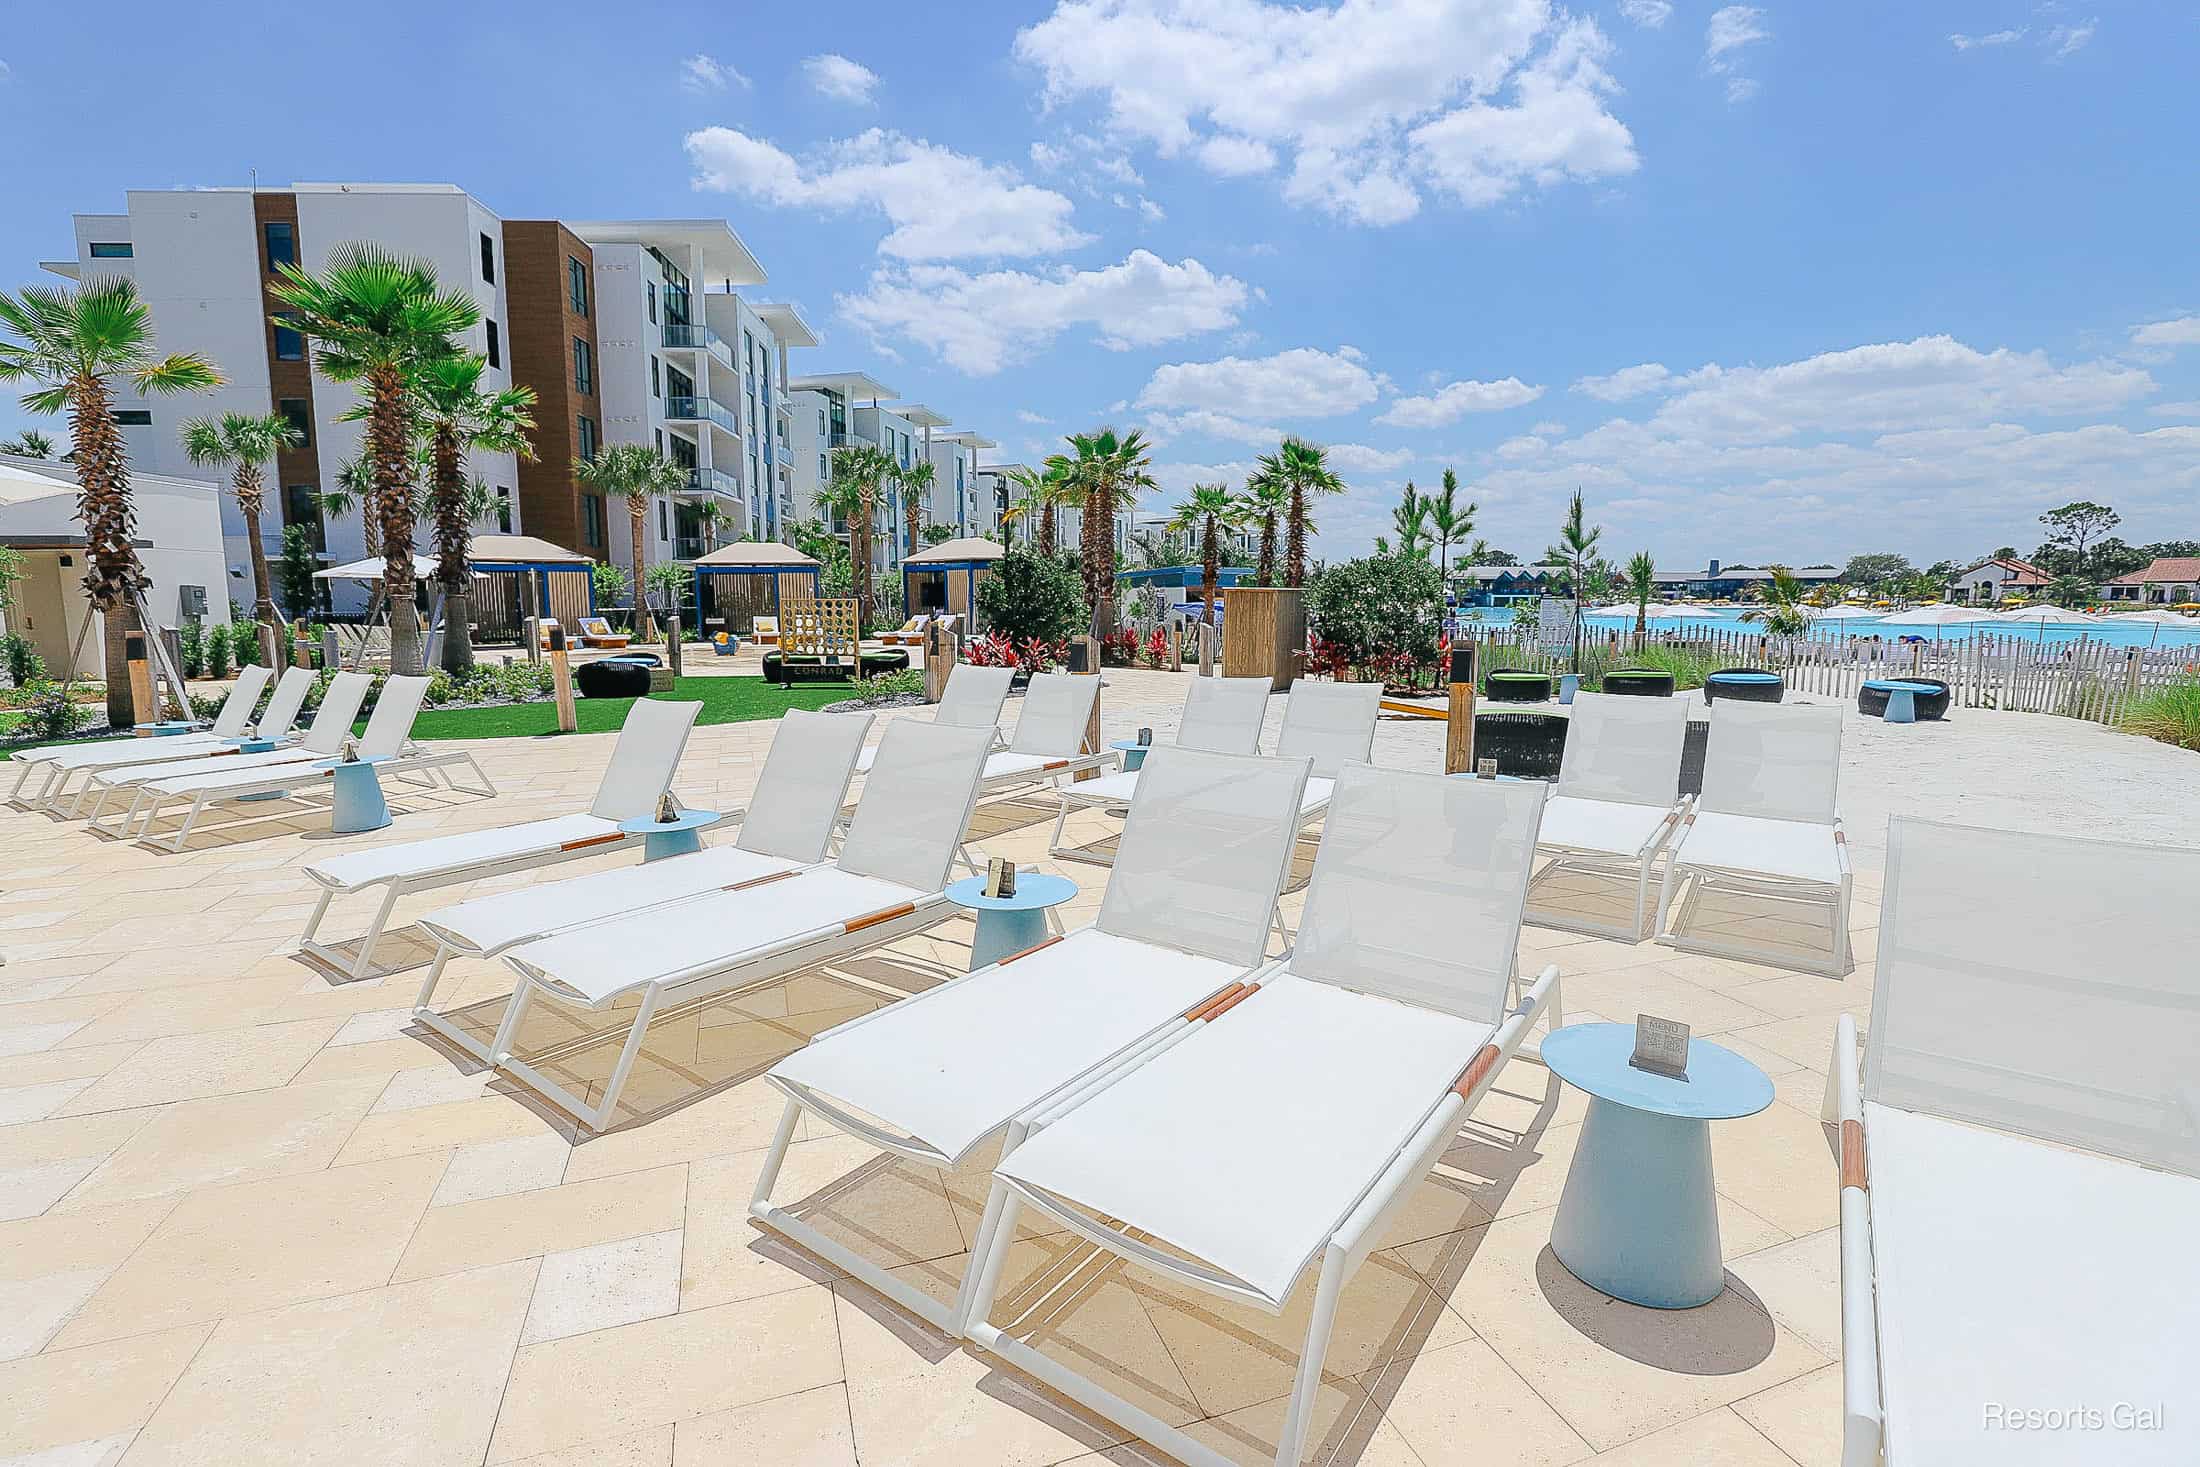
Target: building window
[(282, 243), (656, 386), (585, 436), (660, 441), (488, 259), (652, 302), (584, 368), (576, 285), (290, 343), (821, 422), (824, 475), (134, 417), (302, 507), (112, 249), (496, 350), (299, 414), (504, 511), (592, 517), (663, 531)]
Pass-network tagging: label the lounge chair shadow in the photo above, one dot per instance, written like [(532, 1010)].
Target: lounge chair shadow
[(1727, 1336), (400, 950)]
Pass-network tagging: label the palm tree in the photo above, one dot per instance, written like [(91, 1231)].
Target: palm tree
[(915, 482), (710, 516), (457, 416), (1642, 584), (1448, 522), (1577, 551), (1783, 613), (78, 344), (1410, 520), (375, 317), (633, 472), (1102, 474), (1304, 470), (1207, 510), (1266, 500), (354, 486), (30, 443), (245, 445), (860, 471)]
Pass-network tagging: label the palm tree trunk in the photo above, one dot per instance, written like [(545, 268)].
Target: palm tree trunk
[(1048, 531), (389, 452), (1294, 545), (451, 573), (263, 590), (1268, 550), (911, 512), (1210, 570), (859, 550), (111, 571), (637, 518)]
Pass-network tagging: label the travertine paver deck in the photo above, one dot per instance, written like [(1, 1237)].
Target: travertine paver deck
[(251, 1216)]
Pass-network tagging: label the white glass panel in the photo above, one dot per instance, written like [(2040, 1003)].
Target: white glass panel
[(2042, 985), (1418, 888), (1331, 723), (1777, 761), (1057, 706), (1625, 750), (805, 778), (916, 803), (1203, 851), (649, 748)]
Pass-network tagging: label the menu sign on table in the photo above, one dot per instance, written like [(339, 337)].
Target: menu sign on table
[(1661, 1047)]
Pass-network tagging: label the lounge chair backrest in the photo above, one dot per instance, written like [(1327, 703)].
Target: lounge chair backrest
[(595, 626), (1223, 715), (282, 709), (650, 744), (798, 796), (1203, 852), (1331, 723), (916, 803), (1057, 706), (763, 626), (1418, 888), (391, 723), (1776, 761), (1624, 750), (236, 709), (2042, 985), (339, 710), (973, 696)]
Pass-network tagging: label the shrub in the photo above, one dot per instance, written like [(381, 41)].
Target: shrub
[(612, 582), (192, 641), (48, 713), (1688, 665), (1032, 597), (217, 651), (888, 686), (244, 641), (442, 689), (294, 573), (2171, 714), (1382, 613), (21, 660)]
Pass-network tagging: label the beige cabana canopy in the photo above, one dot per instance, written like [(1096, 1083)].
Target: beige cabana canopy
[(520, 549), (755, 554), (959, 552)]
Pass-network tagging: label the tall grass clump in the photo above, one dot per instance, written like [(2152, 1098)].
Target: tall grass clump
[(2171, 714), (1688, 666)]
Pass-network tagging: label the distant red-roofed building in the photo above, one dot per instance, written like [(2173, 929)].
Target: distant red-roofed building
[(2170, 581), (1998, 578)]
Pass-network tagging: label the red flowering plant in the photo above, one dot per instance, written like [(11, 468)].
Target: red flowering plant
[(1119, 649), (1157, 648)]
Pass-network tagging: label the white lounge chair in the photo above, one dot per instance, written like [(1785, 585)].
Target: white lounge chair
[(786, 826), (1049, 742), (1617, 802), (1765, 827), (885, 884), (1186, 917), (233, 726), (2020, 1157), (388, 736), (323, 739), (972, 699), (1298, 1122), (1222, 715), (1334, 725), (642, 763)]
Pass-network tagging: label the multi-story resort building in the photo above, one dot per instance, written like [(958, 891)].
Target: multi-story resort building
[(629, 331), (838, 409)]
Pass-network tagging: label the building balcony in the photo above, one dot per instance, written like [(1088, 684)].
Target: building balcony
[(702, 410), (690, 547), (713, 481), (698, 338)]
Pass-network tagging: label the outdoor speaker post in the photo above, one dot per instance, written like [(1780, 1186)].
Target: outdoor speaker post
[(142, 705), (1176, 648), (1206, 650), (561, 682), (1459, 717), (672, 641), (1084, 660), (532, 617), (940, 655)]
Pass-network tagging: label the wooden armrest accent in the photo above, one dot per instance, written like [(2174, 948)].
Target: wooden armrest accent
[(1854, 1173), (1229, 1001), (1055, 764), (593, 840), (1207, 1005), (884, 914), (1477, 1070), (1027, 952), (758, 881)]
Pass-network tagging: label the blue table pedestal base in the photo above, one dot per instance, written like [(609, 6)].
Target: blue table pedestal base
[(656, 847), (1901, 707), (1002, 933), (357, 805), (1639, 1219)]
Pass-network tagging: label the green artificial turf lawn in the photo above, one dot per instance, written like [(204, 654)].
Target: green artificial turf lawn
[(724, 700)]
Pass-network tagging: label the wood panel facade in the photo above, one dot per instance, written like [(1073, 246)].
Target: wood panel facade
[(542, 330), (291, 380)]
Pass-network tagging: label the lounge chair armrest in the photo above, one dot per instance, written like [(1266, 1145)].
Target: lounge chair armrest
[(1862, 1410)]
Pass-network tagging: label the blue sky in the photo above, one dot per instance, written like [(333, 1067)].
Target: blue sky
[(1783, 281)]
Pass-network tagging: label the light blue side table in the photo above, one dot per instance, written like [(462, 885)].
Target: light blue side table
[(167, 728), (357, 805), (662, 838), (257, 746), (1639, 1219), (1901, 698), (1008, 925), (1134, 754)]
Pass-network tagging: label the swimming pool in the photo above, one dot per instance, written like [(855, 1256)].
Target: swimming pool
[(2110, 632)]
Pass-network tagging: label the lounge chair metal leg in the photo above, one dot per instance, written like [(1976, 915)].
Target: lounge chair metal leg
[(313, 923), (1292, 1446), (998, 1203), (1061, 818), (984, 1278), (183, 831), (595, 1120), (365, 959), (500, 1048), (776, 1157)]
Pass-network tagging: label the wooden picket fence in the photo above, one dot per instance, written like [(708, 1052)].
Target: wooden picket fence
[(2084, 678)]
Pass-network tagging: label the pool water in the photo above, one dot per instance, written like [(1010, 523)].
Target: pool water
[(2109, 632)]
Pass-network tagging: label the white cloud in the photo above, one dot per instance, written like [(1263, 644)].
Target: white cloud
[(1374, 101), (700, 73), (1358, 458), (1996, 38), (1450, 403), (1651, 13), (2068, 40), (1549, 428), (1026, 415), (5, 71), (833, 75), (1301, 383), (1625, 383), (2176, 409), (943, 205), (1730, 30), (2184, 331), (982, 323), (1201, 423)]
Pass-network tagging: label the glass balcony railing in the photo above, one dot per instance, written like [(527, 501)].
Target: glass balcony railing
[(702, 409), (714, 481), (688, 337)]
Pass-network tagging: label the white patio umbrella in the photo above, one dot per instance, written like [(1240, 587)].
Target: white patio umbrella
[(1934, 616), (1846, 612), (371, 570), (2054, 616), (2156, 620)]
